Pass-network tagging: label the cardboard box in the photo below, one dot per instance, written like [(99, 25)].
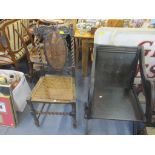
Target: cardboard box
[(8, 116)]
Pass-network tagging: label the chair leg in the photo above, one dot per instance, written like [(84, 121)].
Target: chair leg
[(76, 52), (30, 66), (84, 57), (134, 128), (143, 131), (17, 66), (32, 111), (87, 129), (86, 119), (74, 115)]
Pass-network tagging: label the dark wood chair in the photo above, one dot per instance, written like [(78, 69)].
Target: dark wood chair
[(57, 84), (112, 94)]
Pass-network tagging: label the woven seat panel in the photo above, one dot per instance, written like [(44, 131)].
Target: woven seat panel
[(54, 89)]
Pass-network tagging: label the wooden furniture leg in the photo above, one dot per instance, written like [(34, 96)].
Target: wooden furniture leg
[(74, 115), (77, 52), (84, 57), (17, 66), (32, 111), (87, 127)]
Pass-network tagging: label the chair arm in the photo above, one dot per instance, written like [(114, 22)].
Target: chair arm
[(149, 92), (15, 51), (148, 88)]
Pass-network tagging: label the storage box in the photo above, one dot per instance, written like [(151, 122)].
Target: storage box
[(8, 115), (20, 92)]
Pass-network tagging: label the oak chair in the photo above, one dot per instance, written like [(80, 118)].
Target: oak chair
[(57, 85)]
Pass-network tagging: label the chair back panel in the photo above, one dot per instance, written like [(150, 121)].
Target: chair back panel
[(58, 48), (115, 67), (55, 51)]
